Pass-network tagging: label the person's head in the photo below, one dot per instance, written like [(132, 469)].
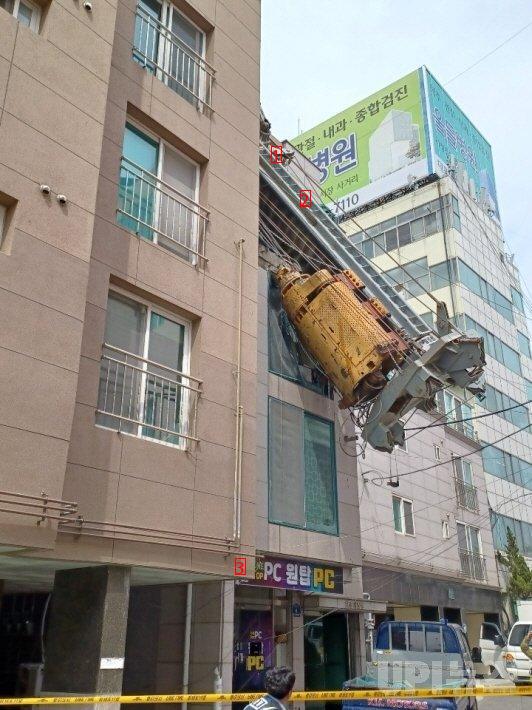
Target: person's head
[(279, 682)]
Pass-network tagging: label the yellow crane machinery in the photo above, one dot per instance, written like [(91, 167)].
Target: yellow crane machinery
[(346, 335), (352, 339)]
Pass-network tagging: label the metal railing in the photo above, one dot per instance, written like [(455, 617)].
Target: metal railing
[(147, 399), (466, 495), (472, 564), (154, 209), (172, 61)]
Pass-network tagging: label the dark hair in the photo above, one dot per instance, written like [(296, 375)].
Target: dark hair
[(279, 682)]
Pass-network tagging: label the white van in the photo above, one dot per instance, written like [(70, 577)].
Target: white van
[(518, 666)]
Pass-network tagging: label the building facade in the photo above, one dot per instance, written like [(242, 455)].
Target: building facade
[(437, 238), (128, 272)]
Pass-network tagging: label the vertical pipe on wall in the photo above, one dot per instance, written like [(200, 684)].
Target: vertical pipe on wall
[(186, 648), (239, 408)]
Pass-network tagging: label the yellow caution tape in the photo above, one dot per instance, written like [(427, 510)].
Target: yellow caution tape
[(478, 690)]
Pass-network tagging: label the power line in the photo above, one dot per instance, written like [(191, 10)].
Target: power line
[(495, 49), (462, 456), (468, 419)]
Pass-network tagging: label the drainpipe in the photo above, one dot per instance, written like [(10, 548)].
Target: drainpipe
[(451, 282), (239, 410), (186, 649)]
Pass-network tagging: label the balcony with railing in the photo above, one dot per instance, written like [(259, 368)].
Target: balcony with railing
[(472, 565), (155, 210), (172, 61), (146, 399), (466, 495)]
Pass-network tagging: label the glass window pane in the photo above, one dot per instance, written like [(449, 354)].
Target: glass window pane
[(416, 640), (431, 224), (517, 299), (391, 239), (167, 342), (7, 5), (285, 464), (137, 190), (524, 344), (462, 536), (397, 517), (409, 517), (398, 637), (24, 14), (433, 638), (417, 229), (403, 234), (125, 324), (320, 475)]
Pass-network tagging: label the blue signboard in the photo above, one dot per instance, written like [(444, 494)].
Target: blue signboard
[(456, 143)]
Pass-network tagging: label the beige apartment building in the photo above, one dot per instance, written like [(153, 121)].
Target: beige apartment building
[(129, 187), (161, 529)]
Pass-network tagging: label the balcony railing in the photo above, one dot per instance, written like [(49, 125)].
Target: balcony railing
[(146, 399), (155, 210), (472, 564), (466, 495), (172, 61)]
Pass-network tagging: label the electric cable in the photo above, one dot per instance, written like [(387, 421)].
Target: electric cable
[(470, 419)]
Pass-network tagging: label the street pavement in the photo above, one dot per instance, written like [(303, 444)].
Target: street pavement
[(504, 703)]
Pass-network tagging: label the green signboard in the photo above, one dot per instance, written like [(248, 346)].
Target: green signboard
[(372, 148)]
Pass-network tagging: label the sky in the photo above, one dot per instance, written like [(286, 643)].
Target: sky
[(321, 56)]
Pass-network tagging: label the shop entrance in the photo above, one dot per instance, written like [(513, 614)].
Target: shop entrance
[(326, 655)]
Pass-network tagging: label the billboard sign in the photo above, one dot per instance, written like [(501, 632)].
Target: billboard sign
[(372, 148), (407, 131), (458, 144), (301, 575)]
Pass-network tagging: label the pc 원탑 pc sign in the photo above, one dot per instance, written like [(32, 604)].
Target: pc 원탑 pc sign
[(407, 131)]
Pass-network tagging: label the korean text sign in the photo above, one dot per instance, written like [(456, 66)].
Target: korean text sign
[(297, 574), (371, 148), (455, 137)]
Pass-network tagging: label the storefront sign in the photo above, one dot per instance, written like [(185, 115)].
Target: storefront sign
[(300, 575)]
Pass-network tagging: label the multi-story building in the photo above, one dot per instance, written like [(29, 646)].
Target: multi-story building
[(438, 238), (129, 182), (428, 218), (434, 509)]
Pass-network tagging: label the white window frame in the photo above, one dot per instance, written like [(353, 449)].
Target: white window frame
[(402, 510), (166, 16), (163, 146), (437, 452), (3, 215), (186, 364), (468, 529), (445, 530), (35, 15)]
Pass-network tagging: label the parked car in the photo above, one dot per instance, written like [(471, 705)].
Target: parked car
[(518, 666), (418, 654)]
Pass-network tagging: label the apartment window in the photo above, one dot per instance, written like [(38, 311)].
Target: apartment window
[(445, 532), (466, 492), (517, 299), (144, 386), (484, 290), (437, 452), (520, 528), (496, 347), (157, 197), (409, 227), (302, 469), (507, 466), (524, 344), (470, 550), (26, 12), (172, 47), (403, 515), (456, 412), (495, 401), (286, 356)]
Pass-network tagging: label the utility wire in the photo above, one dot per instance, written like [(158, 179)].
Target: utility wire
[(468, 419), (463, 456), (495, 49)]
